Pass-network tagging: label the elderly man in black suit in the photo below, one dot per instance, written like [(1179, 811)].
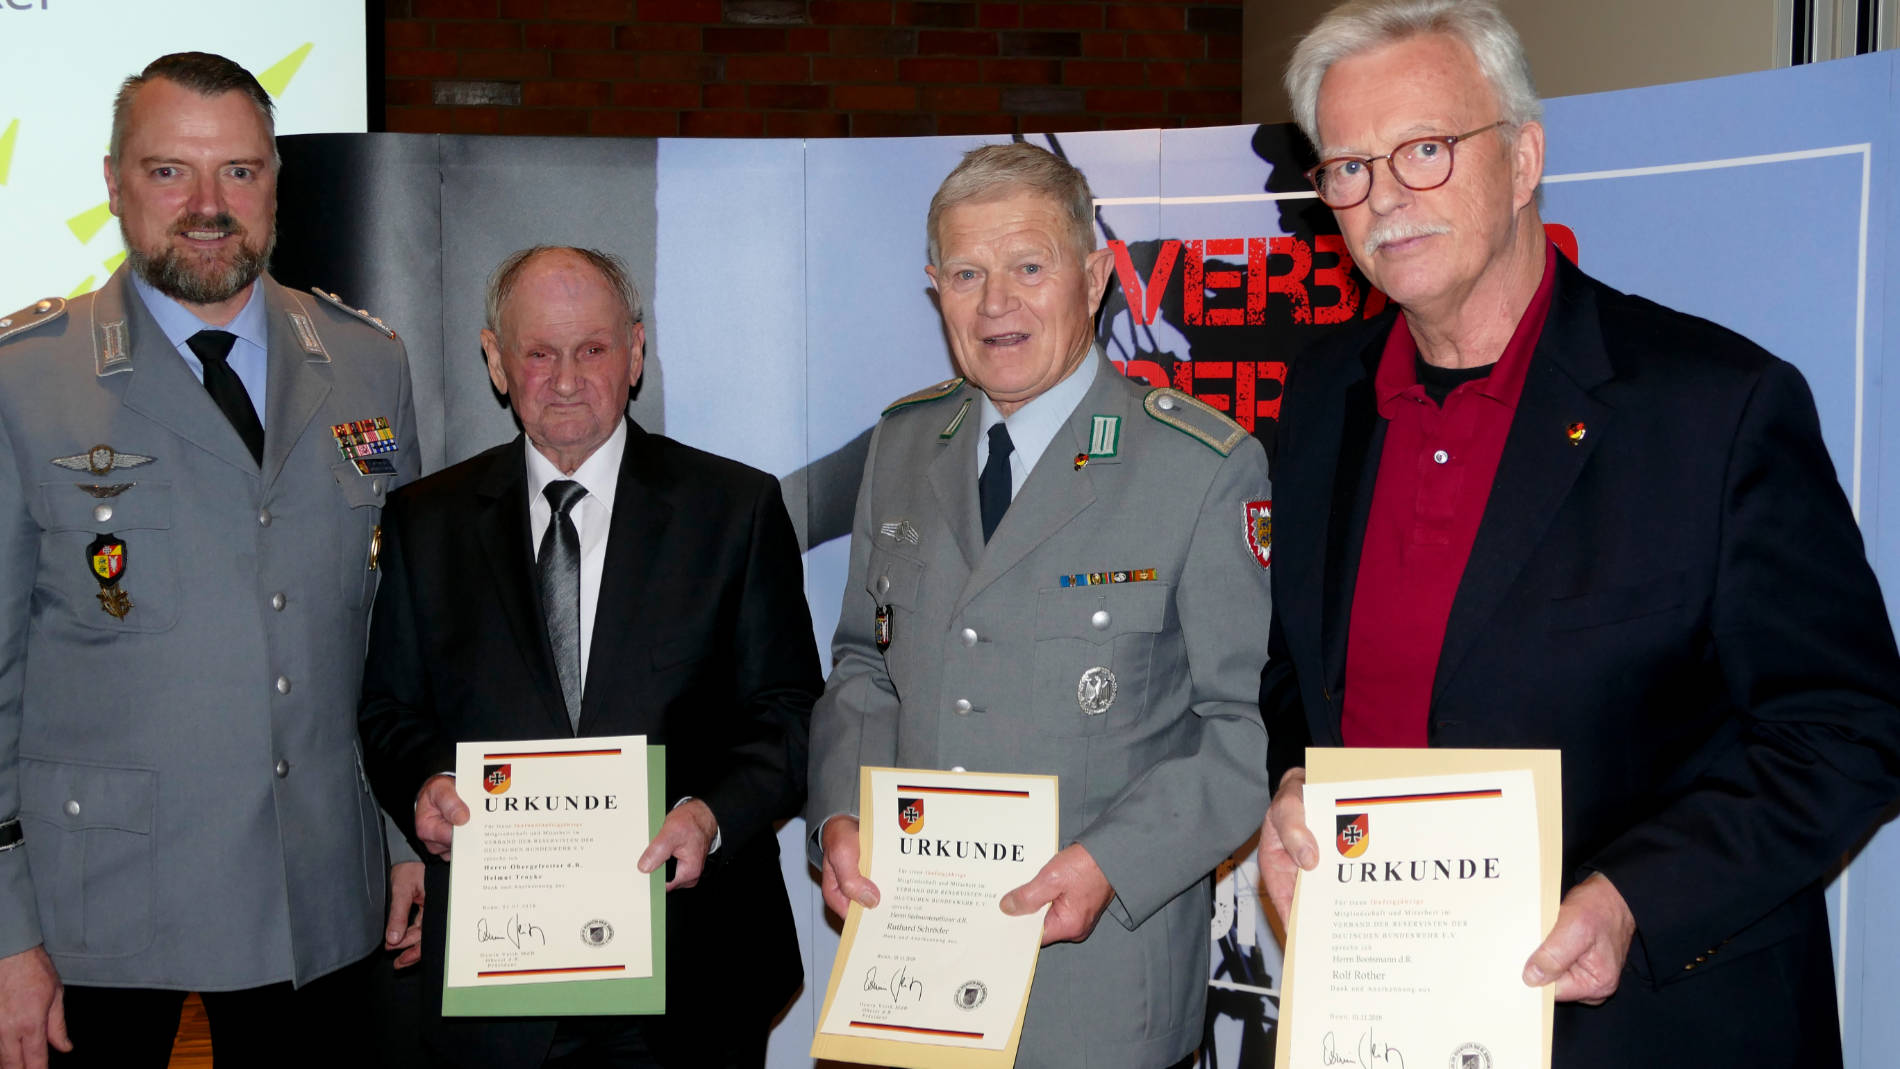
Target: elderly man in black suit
[(665, 599)]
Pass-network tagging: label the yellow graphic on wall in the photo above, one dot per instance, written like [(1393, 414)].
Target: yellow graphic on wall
[(6, 148), (276, 78)]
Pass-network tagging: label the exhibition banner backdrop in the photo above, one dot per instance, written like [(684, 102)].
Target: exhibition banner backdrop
[(787, 305), (64, 61)]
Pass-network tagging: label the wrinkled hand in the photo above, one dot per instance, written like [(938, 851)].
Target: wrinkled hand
[(403, 931), (1586, 948), (1286, 846), (32, 1010), (840, 879), (439, 810), (686, 836), (1074, 888)]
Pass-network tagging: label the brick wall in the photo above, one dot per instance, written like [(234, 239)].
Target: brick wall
[(808, 68)]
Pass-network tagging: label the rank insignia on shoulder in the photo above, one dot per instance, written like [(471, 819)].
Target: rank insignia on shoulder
[(1105, 433), (1259, 516), (101, 459), (37, 314), (358, 313), (1195, 418), (925, 395)]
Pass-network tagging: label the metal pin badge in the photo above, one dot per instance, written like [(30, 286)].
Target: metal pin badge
[(1081, 461), (1575, 433)]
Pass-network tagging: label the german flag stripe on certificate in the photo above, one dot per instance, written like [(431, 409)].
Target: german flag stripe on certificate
[(916, 1031), (1400, 799), (550, 972), (972, 791), (550, 753)]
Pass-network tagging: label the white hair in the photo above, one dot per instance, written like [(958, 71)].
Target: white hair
[(1363, 25)]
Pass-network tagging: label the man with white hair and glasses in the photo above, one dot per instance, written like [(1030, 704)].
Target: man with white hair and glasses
[(1522, 509)]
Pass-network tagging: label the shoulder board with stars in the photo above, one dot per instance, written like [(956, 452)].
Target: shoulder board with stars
[(357, 313), (1195, 418), (37, 314), (929, 393)]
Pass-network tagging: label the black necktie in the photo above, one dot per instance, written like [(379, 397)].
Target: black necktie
[(558, 569), (212, 346), (992, 487)]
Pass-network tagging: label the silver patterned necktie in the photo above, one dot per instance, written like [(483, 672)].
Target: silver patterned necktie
[(557, 569)]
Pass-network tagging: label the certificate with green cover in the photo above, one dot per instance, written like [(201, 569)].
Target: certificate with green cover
[(547, 916)]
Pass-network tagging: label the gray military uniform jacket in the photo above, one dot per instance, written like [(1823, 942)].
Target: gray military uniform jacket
[(986, 662), (187, 777)]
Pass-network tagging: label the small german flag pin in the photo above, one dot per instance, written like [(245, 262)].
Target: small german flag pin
[(1575, 433)]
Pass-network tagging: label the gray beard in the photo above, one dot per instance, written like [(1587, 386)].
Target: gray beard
[(173, 275)]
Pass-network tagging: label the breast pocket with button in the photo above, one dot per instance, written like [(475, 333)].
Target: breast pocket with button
[(141, 518), (363, 497), (1094, 653)]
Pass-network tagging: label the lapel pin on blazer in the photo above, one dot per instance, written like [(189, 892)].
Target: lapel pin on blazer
[(1575, 433)]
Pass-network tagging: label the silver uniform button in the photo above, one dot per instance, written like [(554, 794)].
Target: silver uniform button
[(883, 584), (958, 768), (263, 517), (1440, 457), (282, 769), (1100, 620), (5, 323), (283, 684), (376, 485), (72, 807), (277, 601), (1165, 404), (968, 636), (102, 513), (962, 706)]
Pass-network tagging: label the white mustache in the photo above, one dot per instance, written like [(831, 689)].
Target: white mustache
[(1381, 236)]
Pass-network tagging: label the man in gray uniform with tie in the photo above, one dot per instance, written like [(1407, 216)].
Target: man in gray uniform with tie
[(193, 462), (1057, 570)]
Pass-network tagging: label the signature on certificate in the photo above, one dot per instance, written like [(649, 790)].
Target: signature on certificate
[(513, 931), (1368, 1052), (901, 984)]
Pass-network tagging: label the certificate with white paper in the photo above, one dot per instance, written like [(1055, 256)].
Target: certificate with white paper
[(1438, 875), (936, 975), (544, 895)]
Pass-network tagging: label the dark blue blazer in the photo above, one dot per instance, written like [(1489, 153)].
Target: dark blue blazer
[(1681, 604)]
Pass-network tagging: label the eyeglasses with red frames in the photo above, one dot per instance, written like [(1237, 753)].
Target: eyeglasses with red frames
[(1419, 164)]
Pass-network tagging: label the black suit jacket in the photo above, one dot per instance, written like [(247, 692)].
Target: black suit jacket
[(702, 642), (1680, 603)]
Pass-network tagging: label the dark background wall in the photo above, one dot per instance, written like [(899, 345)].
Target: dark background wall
[(808, 68)]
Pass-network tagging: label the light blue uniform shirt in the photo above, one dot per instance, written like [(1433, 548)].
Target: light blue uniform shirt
[(1033, 426), (250, 354)]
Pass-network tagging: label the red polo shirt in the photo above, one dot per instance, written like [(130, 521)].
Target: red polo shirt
[(1435, 475)]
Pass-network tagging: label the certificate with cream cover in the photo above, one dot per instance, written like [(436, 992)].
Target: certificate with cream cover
[(936, 976), (547, 912), (1438, 875)]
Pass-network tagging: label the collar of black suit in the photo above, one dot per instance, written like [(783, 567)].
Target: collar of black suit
[(642, 511)]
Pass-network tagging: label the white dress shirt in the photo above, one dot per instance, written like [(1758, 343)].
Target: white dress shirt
[(592, 515), (1033, 426)]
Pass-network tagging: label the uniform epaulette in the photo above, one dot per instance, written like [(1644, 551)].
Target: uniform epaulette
[(357, 313), (37, 314), (929, 393), (1195, 418)]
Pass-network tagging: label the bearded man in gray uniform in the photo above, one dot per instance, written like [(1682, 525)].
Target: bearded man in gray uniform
[(1057, 570), (193, 462)]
